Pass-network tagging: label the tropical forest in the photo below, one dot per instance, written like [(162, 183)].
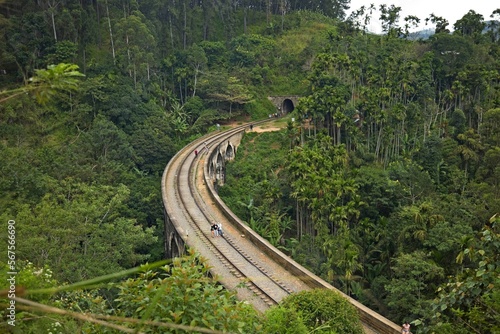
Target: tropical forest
[(383, 180)]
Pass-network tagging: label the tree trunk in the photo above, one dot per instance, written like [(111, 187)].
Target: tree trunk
[(53, 23), (268, 11), (111, 33), (128, 50), (184, 31), (283, 12), (245, 13), (135, 77), (98, 15), (379, 141), (196, 71)]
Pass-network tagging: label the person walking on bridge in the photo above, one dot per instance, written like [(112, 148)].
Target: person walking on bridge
[(406, 328), (213, 229), (219, 229)]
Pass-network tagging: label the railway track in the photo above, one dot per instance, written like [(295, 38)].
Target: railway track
[(228, 254), (241, 260)]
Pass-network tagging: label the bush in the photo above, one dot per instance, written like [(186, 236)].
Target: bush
[(280, 320), (326, 311)]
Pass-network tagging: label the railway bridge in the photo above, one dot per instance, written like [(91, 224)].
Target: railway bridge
[(216, 158), (242, 260)]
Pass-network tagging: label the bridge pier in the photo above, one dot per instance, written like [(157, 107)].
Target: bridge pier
[(174, 245)]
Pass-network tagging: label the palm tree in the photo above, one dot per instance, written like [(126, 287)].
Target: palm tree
[(56, 78), (469, 148), (45, 84)]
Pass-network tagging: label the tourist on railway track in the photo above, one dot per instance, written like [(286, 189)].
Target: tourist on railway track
[(214, 228), (219, 229)]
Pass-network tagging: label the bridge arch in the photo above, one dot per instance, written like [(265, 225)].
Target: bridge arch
[(211, 169), (230, 151), (174, 245), (220, 166)]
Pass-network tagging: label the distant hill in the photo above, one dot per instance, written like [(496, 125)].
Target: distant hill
[(426, 33), (421, 34)]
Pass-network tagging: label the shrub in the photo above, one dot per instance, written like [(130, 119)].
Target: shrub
[(280, 320), (326, 311)]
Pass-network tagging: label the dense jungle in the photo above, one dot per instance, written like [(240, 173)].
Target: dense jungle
[(385, 179)]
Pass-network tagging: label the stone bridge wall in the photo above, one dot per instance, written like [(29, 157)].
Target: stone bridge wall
[(174, 244), (225, 151)]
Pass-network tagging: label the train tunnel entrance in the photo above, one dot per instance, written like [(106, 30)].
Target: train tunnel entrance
[(284, 104), (288, 106)]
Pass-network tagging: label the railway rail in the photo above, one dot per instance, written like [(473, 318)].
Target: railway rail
[(241, 260)]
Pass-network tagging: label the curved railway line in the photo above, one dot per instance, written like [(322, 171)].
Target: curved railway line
[(241, 260)]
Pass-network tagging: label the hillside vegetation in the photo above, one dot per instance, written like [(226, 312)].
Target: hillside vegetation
[(386, 184)]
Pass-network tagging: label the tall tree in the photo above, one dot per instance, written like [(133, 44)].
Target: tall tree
[(471, 24), (135, 46), (440, 22), (389, 15)]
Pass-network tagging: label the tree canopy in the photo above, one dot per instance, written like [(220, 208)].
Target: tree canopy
[(386, 183)]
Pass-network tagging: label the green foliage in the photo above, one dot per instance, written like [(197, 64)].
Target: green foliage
[(153, 144), (65, 52), (60, 77), (381, 194), (394, 148), (180, 297), (471, 296), (281, 320), (324, 311), (215, 53), (412, 287), (46, 84), (77, 229), (183, 293), (250, 50), (415, 182), (321, 182), (248, 171), (29, 277), (259, 108)]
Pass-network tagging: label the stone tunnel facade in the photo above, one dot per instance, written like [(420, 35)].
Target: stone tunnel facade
[(284, 104)]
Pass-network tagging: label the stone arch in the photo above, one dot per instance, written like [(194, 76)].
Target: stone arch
[(175, 250), (219, 168), (211, 169), (230, 151)]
